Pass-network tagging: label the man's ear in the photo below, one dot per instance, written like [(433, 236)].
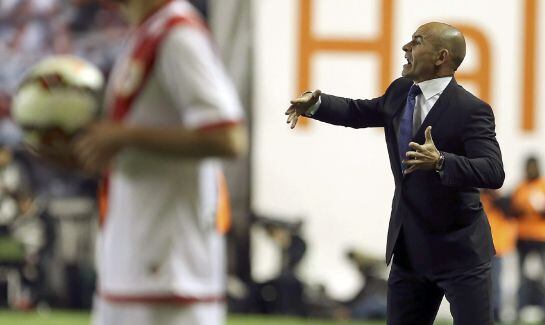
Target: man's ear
[(441, 57)]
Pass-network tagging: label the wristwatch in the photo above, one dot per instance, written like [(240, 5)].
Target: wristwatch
[(440, 162)]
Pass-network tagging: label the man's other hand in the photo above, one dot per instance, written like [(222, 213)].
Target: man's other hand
[(424, 156)]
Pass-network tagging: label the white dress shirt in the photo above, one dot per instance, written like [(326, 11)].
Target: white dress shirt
[(431, 90)]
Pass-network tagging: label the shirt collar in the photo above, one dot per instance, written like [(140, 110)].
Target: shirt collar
[(433, 87)]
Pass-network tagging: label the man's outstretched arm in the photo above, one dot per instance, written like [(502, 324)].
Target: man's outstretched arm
[(355, 113)]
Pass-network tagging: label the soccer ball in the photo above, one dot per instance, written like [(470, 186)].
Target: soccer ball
[(57, 98)]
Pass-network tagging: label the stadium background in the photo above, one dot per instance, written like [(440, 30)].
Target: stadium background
[(334, 182)]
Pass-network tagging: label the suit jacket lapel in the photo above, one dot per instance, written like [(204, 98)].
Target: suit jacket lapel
[(436, 111), (397, 114), (398, 104)]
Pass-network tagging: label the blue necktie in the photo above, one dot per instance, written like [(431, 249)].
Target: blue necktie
[(406, 123)]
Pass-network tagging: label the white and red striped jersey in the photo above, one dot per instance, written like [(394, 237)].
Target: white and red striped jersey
[(159, 241)]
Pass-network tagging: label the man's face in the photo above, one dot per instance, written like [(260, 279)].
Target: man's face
[(421, 55)]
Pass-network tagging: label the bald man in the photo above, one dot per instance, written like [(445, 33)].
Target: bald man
[(439, 235)]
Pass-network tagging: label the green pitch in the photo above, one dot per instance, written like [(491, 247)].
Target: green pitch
[(82, 318), (75, 318)]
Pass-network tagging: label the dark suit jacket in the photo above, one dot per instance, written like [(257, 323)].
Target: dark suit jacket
[(437, 221)]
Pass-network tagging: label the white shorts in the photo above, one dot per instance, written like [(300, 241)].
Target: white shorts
[(107, 313)]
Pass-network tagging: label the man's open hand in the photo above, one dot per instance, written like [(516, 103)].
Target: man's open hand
[(301, 105)]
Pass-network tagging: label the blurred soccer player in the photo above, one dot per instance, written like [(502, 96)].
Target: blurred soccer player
[(171, 109)]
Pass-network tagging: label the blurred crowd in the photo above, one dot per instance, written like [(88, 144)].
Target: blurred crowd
[(32, 29), (47, 214)]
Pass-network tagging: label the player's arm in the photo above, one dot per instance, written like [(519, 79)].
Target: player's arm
[(223, 140), (210, 113), (103, 140), (194, 78)]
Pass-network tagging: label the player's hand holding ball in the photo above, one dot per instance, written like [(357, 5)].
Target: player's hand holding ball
[(100, 142)]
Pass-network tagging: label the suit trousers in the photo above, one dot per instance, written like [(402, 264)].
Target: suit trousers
[(414, 298)]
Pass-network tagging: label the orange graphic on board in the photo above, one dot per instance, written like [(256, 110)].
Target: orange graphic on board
[(310, 45), (528, 93)]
